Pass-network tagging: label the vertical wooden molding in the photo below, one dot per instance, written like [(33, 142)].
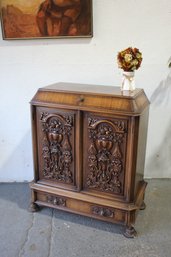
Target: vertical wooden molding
[(79, 150)]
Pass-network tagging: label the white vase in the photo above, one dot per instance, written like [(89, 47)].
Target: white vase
[(128, 82)]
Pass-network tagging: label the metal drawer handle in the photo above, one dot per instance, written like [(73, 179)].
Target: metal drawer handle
[(81, 99)]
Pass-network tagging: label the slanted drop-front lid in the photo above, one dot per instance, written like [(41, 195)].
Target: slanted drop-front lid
[(85, 97)]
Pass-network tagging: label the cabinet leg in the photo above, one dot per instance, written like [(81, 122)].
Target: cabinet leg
[(143, 206), (130, 232), (34, 207)]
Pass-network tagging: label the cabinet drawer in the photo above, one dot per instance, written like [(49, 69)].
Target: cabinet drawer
[(81, 207)]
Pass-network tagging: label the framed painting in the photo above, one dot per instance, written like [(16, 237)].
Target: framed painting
[(23, 19)]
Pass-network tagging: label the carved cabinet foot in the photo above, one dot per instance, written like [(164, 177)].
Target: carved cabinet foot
[(130, 232), (143, 206), (34, 207)]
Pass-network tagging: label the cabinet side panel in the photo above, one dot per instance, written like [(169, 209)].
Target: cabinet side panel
[(79, 150), (141, 148)]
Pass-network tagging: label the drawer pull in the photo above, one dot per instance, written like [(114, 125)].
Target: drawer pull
[(81, 99), (59, 201), (101, 211)]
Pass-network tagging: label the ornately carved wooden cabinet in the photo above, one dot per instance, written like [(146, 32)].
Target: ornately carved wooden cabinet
[(89, 149)]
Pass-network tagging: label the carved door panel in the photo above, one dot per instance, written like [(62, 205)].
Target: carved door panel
[(56, 147), (105, 140)]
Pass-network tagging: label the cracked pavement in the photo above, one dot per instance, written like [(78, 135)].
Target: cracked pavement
[(54, 233)]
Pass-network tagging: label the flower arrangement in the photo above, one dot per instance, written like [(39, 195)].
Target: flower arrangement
[(129, 59)]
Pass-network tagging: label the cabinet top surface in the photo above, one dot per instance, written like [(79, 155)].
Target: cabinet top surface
[(91, 89)]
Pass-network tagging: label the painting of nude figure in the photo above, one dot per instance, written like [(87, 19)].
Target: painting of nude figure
[(23, 19)]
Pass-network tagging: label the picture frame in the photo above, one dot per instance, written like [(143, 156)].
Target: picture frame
[(43, 19)]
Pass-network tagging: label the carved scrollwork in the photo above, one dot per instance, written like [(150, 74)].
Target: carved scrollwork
[(56, 147), (55, 200), (118, 125), (91, 121), (103, 211), (105, 156)]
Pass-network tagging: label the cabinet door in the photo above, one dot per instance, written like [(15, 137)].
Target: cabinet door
[(56, 147), (105, 139)]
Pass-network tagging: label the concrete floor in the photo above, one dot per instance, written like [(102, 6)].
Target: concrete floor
[(53, 233)]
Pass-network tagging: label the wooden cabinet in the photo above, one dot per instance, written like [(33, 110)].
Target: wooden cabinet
[(89, 150)]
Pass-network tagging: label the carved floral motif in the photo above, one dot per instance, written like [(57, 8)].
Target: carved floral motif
[(105, 156), (56, 147)]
